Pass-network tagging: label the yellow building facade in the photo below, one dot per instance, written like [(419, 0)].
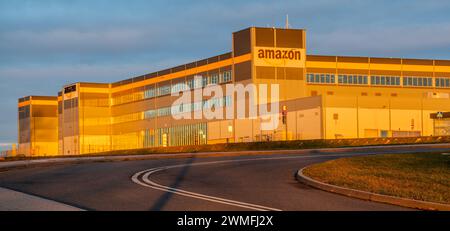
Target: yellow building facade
[(324, 97), (38, 125)]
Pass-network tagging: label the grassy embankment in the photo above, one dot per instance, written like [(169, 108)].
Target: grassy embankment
[(423, 176)]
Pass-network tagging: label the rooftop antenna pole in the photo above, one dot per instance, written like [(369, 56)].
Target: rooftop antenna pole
[(287, 21)]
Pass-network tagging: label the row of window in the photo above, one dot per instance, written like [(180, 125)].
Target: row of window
[(173, 110), (127, 118), (442, 82), (385, 80), (95, 102), (330, 78), (150, 91), (377, 80), (184, 108), (352, 79), (126, 98), (417, 81), (201, 81), (320, 78)]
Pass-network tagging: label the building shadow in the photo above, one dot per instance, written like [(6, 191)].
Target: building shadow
[(167, 196)]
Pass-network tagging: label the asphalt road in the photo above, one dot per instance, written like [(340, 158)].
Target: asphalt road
[(227, 183)]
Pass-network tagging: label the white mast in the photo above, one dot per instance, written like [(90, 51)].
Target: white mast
[(287, 21)]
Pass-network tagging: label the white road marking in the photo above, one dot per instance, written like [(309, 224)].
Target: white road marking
[(145, 177), (151, 184)]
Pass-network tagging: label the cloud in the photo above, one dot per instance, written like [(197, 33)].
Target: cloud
[(46, 44), (117, 38), (79, 41), (385, 41), (78, 72)]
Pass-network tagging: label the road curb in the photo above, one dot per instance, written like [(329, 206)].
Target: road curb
[(410, 203)]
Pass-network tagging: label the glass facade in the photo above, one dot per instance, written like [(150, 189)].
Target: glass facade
[(181, 135)]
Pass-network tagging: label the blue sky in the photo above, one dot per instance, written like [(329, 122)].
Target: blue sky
[(46, 44)]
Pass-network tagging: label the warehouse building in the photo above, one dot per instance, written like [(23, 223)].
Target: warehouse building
[(38, 125), (320, 97)]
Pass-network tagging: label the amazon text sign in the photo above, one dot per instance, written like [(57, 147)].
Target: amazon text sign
[(279, 57)]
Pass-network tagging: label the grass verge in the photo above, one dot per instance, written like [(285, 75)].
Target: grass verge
[(422, 176)]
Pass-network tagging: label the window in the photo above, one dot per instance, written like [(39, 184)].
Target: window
[(178, 87), (164, 90), (204, 81), (442, 82), (198, 81), (214, 79), (149, 114), (385, 80), (320, 78), (149, 93), (310, 78), (127, 117), (352, 79), (165, 111), (190, 83), (417, 81), (226, 77), (227, 100)]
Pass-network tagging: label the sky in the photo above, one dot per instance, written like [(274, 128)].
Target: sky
[(46, 44)]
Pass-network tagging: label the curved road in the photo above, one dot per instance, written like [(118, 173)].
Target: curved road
[(263, 182)]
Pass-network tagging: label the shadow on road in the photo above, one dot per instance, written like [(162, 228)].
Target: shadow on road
[(165, 198)]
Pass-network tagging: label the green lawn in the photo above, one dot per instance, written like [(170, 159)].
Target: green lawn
[(423, 176)]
